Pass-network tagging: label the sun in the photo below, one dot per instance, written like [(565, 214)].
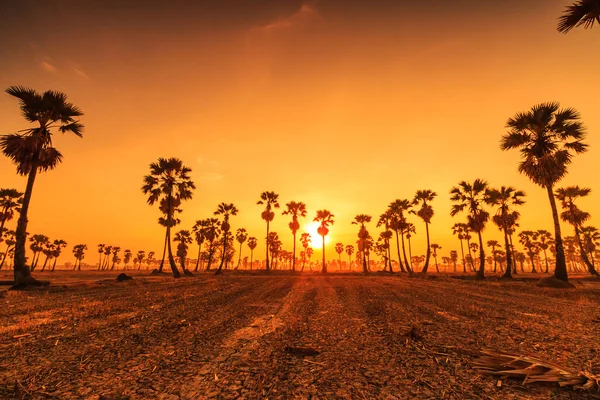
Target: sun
[(312, 229)]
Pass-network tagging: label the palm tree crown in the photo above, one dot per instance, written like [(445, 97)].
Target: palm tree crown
[(581, 13)]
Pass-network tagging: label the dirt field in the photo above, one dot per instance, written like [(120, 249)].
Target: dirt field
[(229, 336)]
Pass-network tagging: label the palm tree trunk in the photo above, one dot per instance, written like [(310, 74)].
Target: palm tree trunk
[(399, 258), (220, 269), (533, 271), (546, 260), (240, 257), (462, 251), (389, 255), (176, 273), (44, 266), (22, 274), (560, 270), (198, 259), (364, 251), (251, 256), (54, 264), (584, 256), (408, 267), (509, 260), (494, 257), (324, 269), (428, 254), (437, 269), (267, 261), (481, 272), (294, 253)]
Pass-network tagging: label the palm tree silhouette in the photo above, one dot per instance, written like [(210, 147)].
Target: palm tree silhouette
[(398, 208), (183, 237), (591, 238), (582, 13), (32, 152), (10, 203), (270, 201), (385, 220), (339, 248), (548, 138), (9, 238), (199, 230), (107, 253), (141, 256), (212, 232), (528, 240), (349, 251), (470, 197), (150, 259), (169, 182), (458, 230), (252, 242), (576, 217), (363, 234), (505, 218), (493, 244), (454, 258), (295, 209), (58, 245), (241, 235), (226, 210), (434, 249), (127, 254), (424, 197), (38, 244), (115, 256), (305, 240), (544, 243), (79, 253), (325, 218)]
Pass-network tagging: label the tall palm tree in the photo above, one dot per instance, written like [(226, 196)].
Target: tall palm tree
[(458, 230), (184, 238), (544, 243), (548, 138), (270, 200), (127, 254), (305, 239), (226, 210), (101, 247), (424, 198), (470, 197), (212, 232), (241, 235), (362, 220), (252, 242), (38, 244), (434, 249), (385, 220), (581, 13), (295, 209), (10, 203), (198, 230), (79, 253), (115, 256), (169, 182), (32, 152), (576, 217), (141, 256), (349, 251), (528, 240), (493, 244), (398, 209), (339, 248), (325, 218), (58, 245), (107, 253)]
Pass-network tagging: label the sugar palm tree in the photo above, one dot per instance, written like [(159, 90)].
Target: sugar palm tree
[(528, 240), (31, 150), (505, 199), (295, 209), (226, 210), (127, 254), (581, 13), (362, 220), (9, 239), (169, 182), (115, 256), (339, 248), (458, 230), (385, 220), (141, 256), (398, 210), (424, 198), (470, 197), (434, 249), (252, 242), (349, 251), (107, 253), (544, 243), (270, 200), (101, 247), (79, 253), (493, 244), (325, 218), (409, 230), (591, 238), (548, 138), (454, 258), (305, 239), (241, 235), (199, 230), (38, 244), (58, 245), (212, 232), (150, 260), (10, 203), (576, 217), (184, 238)]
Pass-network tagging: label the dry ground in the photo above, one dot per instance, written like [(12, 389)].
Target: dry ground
[(226, 337)]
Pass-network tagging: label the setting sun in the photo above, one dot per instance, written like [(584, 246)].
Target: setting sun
[(316, 241)]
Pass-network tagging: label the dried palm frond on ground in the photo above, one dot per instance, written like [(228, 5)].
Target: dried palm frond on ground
[(534, 370)]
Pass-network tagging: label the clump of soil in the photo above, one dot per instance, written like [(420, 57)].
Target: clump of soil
[(552, 282), (124, 277)]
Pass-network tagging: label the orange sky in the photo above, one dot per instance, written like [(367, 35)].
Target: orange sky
[(344, 105)]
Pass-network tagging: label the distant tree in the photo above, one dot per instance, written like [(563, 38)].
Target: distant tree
[(434, 249), (241, 236), (31, 151), (107, 253), (424, 198), (274, 244), (10, 203), (226, 210), (493, 244), (544, 243), (339, 248), (573, 215), (270, 201), (385, 221), (454, 258), (79, 253), (115, 256), (183, 238), (199, 230), (127, 257), (100, 253), (458, 230), (169, 182), (38, 244), (295, 209), (141, 256), (212, 232), (9, 239), (58, 245), (399, 224), (305, 239), (309, 254), (362, 220), (528, 240), (150, 260), (325, 218), (252, 242), (470, 197), (349, 251), (48, 251), (548, 138), (582, 13)]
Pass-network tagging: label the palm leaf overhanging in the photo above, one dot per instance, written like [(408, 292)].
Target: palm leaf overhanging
[(582, 13)]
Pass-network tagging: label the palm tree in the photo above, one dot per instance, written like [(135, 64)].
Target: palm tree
[(58, 246), (141, 256), (470, 197), (424, 197), (398, 208), (38, 244), (544, 243), (506, 218), (150, 259), (115, 256), (325, 217), (339, 248), (295, 209), (548, 138), (493, 244), (199, 230), (362, 220), (582, 13), (434, 248), (349, 251), (32, 152), (410, 230), (48, 251), (10, 202), (274, 245), (252, 242), (226, 210), (241, 235), (212, 232), (591, 237), (9, 238), (107, 253), (79, 253), (458, 230), (305, 240), (184, 237), (169, 182), (385, 220), (576, 217), (528, 240), (270, 201), (454, 258), (101, 247), (127, 254)]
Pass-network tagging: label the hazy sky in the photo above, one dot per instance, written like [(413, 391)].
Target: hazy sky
[(345, 105)]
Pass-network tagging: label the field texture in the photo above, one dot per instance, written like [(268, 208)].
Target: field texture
[(285, 336)]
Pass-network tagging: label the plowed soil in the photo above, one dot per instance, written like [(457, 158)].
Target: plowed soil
[(246, 336)]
